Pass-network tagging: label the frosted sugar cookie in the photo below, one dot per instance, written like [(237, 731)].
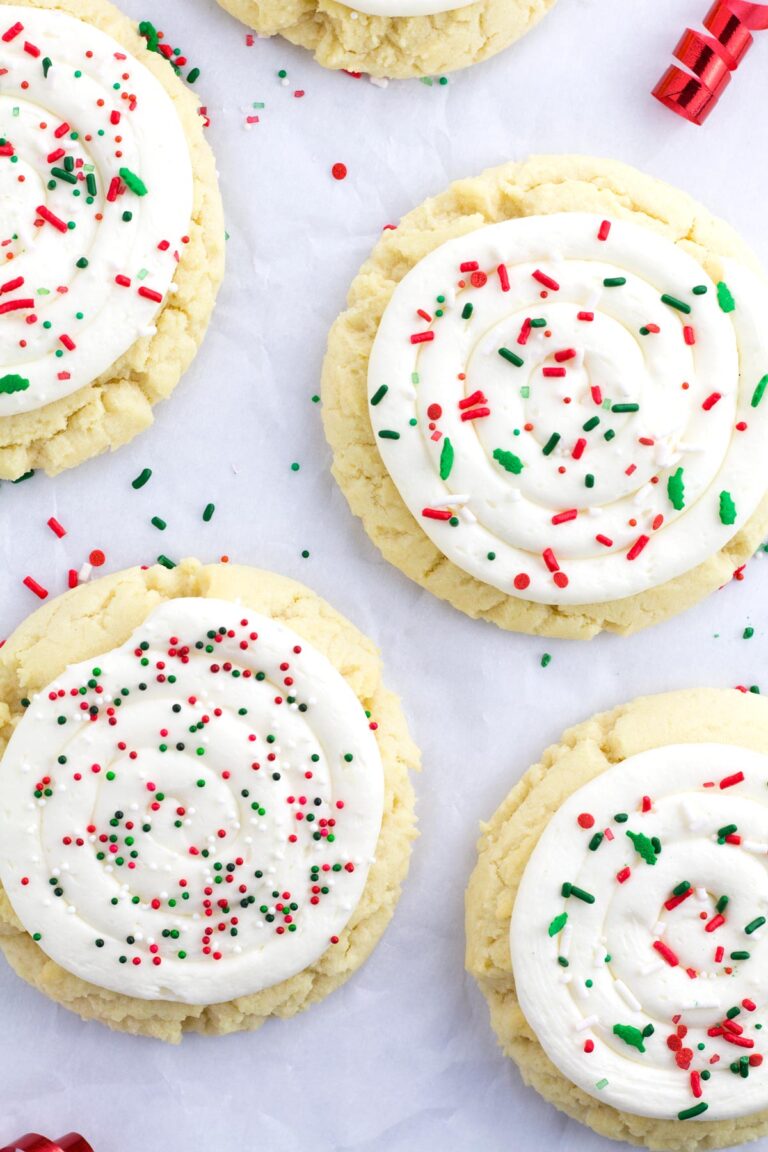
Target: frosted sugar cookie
[(547, 398), (616, 921), (203, 821), (394, 38), (112, 236)]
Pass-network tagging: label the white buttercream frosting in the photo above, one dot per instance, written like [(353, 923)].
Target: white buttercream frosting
[(571, 408), (201, 837), (96, 191), (639, 935)]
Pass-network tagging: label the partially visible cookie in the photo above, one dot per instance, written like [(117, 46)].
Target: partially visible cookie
[(394, 38), (112, 239), (548, 398), (616, 921), (205, 803)]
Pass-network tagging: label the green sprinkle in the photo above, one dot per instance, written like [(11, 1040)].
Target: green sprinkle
[(379, 394), (596, 841), (700, 290), (739, 955), (208, 512), (589, 480), (47, 65), (675, 303), (558, 924), (446, 459), (724, 297), (141, 479), (696, 1110), (13, 383), (625, 408), (156, 522), (571, 890), (727, 509), (722, 904), (601, 1084), (632, 1036), (754, 925), (546, 660), (614, 281), (676, 490), (388, 434), (166, 563), (467, 311), (643, 846), (192, 75), (551, 444), (759, 391), (132, 181), (508, 461), (512, 357), (683, 886), (591, 423), (748, 633)]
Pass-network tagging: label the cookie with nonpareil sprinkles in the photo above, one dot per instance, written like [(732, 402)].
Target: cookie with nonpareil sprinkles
[(205, 805), (617, 921), (394, 38), (111, 238), (547, 398)]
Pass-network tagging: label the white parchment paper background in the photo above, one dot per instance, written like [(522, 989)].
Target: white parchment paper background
[(403, 1057)]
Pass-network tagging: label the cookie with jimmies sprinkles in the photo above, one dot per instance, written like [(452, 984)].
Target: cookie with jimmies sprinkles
[(112, 238), (394, 38), (205, 805), (547, 398), (617, 921)]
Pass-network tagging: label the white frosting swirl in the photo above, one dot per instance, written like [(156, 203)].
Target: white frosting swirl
[(647, 986), (201, 837), (96, 186), (581, 416), (407, 7)]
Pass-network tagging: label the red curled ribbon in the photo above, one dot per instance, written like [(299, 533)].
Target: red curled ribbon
[(711, 58), (32, 1142)]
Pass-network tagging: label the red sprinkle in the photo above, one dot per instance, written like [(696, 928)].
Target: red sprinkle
[(339, 171), (666, 952), (33, 586)]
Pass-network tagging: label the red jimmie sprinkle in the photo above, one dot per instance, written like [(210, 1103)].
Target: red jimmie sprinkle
[(470, 401), (56, 528), (729, 781), (436, 513), (711, 401), (547, 281), (564, 517), (151, 294), (637, 547), (476, 414), (422, 337), (666, 953), (503, 277), (33, 586), (550, 560), (46, 214), (604, 230)]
